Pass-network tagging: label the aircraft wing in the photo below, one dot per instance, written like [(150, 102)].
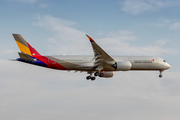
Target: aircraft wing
[(103, 61)]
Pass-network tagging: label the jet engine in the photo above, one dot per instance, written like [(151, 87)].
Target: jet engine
[(106, 74), (122, 65)]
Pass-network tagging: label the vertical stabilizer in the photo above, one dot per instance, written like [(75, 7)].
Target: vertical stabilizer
[(24, 46)]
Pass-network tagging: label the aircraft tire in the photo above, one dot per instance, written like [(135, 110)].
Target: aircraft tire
[(88, 77), (96, 74), (101, 75), (93, 78)]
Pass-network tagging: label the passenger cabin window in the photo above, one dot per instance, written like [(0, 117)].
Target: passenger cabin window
[(164, 61)]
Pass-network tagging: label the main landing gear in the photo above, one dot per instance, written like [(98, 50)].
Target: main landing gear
[(90, 76), (160, 75), (98, 74), (95, 74)]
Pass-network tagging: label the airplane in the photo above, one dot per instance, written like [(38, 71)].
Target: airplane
[(101, 64)]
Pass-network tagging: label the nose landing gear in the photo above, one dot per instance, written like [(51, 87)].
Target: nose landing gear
[(160, 76)]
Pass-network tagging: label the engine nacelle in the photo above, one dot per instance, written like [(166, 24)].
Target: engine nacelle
[(122, 65), (106, 74)]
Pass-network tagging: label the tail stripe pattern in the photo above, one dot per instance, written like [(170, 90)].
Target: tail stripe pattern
[(23, 48), (26, 48)]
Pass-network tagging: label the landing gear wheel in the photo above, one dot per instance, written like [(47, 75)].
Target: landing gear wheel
[(96, 74), (160, 76), (93, 78), (101, 75), (88, 77)]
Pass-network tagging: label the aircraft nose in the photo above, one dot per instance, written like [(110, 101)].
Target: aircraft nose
[(168, 66)]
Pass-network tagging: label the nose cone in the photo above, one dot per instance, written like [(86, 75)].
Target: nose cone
[(168, 66)]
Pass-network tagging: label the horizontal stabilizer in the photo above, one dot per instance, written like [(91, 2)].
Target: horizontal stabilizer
[(25, 57)]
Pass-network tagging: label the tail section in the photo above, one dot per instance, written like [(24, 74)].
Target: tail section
[(29, 55), (24, 46)]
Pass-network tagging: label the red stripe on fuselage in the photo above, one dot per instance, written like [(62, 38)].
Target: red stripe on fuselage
[(50, 63)]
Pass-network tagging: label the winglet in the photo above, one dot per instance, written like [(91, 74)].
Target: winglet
[(91, 40)]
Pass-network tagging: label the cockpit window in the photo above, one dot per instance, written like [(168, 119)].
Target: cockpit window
[(164, 61)]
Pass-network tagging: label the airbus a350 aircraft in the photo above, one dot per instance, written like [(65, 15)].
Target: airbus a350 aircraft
[(101, 64)]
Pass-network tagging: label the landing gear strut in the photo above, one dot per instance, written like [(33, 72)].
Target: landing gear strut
[(160, 76)]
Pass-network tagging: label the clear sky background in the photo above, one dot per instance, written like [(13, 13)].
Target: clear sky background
[(120, 27)]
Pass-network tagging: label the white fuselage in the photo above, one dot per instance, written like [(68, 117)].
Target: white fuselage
[(86, 62)]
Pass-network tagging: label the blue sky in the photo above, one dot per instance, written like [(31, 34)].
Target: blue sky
[(120, 27)]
